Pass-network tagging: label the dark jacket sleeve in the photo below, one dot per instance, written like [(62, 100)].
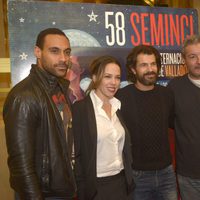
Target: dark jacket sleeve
[(20, 117), (172, 107), (77, 126)]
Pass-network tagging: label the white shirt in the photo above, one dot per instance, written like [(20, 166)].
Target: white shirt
[(195, 82), (110, 138)]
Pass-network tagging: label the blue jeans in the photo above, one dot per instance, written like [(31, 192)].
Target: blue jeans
[(189, 188), (155, 184)]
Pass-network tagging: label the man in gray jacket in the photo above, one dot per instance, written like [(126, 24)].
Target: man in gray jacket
[(187, 121)]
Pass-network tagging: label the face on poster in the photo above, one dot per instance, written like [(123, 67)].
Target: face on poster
[(99, 29)]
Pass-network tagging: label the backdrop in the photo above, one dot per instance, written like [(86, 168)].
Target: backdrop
[(99, 29)]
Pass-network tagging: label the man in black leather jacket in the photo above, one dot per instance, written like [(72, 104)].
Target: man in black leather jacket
[(37, 118)]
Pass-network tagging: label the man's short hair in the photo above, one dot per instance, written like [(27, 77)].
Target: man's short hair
[(193, 39), (41, 36)]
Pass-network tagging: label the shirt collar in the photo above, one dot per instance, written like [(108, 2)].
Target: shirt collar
[(50, 82), (98, 103), (195, 82)]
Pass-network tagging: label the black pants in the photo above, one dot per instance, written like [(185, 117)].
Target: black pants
[(47, 198), (112, 188)]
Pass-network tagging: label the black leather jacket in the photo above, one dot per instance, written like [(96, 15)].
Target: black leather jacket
[(38, 159)]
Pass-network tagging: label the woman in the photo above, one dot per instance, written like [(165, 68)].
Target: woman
[(102, 146)]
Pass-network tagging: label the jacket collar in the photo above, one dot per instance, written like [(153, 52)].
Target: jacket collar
[(49, 81)]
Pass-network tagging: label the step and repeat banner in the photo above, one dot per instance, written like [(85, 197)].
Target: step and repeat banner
[(99, 29)]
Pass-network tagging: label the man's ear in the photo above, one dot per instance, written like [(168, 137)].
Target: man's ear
[(37, 52), (183, 59), (133, 70)]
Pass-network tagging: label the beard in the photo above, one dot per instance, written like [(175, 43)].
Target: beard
[(146, 80)]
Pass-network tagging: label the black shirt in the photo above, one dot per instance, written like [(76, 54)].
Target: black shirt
[(147, 115)]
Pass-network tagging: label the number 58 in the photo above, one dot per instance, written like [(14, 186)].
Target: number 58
[(117, 32)]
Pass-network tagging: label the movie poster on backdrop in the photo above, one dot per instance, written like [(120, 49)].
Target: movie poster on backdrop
[(99, 29)]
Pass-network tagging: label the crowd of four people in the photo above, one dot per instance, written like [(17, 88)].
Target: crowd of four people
[(113, 144)]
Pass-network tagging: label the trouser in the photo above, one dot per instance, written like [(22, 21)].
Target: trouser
[(47, 198), (155, 184), (112, 188), (57, 198), (189, 188)]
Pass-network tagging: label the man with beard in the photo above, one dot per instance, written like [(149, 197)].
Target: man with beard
[(147, 110), (38, 126), (187, 124)]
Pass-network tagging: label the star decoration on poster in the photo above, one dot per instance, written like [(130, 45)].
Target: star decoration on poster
[(21, 20), (92, 16), (23, 56)]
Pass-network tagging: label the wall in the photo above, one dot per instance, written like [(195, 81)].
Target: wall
[(2, 36), (196, 4), (6, 192)]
